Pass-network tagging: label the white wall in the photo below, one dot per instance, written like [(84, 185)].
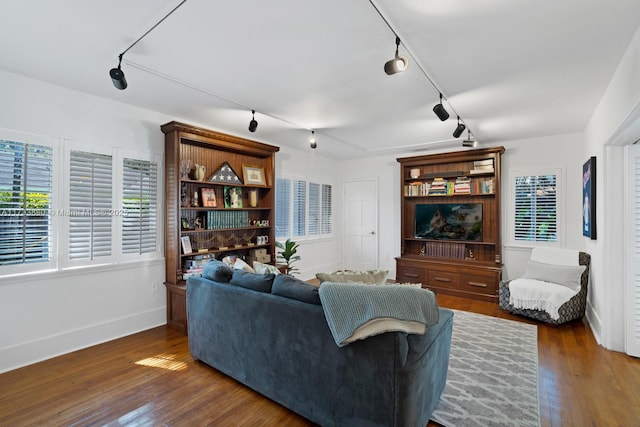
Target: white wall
[(387, 170), (605, 134), (56, 312), (323, 254)]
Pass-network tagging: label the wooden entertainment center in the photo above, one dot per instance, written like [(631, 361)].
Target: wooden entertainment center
[(231, 213), (450, 225)]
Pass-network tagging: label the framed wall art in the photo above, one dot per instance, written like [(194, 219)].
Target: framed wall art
[(253, 175), (208, 197), (589, 198)]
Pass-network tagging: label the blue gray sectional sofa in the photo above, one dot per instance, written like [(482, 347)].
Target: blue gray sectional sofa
[(270, 333)]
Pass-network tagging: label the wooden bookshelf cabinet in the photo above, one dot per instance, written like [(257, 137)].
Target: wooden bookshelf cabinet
[(450, 254), (212, 231)]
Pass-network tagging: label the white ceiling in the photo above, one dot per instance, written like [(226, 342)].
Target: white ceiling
[(511, 69)]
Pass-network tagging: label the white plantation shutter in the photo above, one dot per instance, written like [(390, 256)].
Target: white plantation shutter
[(299, 207), (25, 202), (139, 206), (90, 205), (536, 208), (283, 208), (326, 210), (314, 208)]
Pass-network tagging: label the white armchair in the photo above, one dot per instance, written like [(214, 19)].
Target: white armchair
[(553, 288)]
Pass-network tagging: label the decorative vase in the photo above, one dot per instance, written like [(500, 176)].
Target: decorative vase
[(253, 197), (199, 172)]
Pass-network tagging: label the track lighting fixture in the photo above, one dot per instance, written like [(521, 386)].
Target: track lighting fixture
[(459, 129), (117, 75), (253, 124), (398, 64), (313, 142), (469, 142), (440, 111)]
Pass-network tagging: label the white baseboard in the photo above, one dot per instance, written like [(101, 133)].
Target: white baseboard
[(594, 323), (28, 353)]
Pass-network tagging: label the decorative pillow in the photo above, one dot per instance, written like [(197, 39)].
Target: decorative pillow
[(290, 287), (257, 282), (262, 268), (415, 285), (241, 265), (217, 271), (564, 275), (371, 277)]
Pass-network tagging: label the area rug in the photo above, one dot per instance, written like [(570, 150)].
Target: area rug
[(493, 374)]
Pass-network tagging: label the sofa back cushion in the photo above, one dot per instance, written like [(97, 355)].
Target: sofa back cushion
[(290, 287), (217, 271), (257, 282)]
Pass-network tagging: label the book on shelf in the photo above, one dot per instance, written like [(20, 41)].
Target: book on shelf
[(439, 187), (417, 189), (482, 166)]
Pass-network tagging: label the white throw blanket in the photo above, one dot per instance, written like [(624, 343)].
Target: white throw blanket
[(531, 294)]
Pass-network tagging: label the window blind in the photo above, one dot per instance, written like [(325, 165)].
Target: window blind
[(326, 210), (299, 207), (90, 205), (536, 208), (25, 202), (314, 208), (283, 208), (139, 206)]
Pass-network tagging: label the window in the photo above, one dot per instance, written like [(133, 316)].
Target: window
[(299, 207), (25, 202), (314, 208), (302, 208), (90, 205), (139, 202), (326, 210), (283, 208), (536, 208)]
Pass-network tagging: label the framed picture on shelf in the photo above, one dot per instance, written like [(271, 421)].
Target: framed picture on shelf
[(233, 197), (208, 197), (184, 223), (186, 245), (589, 198), (253, 175)]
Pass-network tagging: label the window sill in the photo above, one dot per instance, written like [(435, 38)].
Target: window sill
[(78, 271)]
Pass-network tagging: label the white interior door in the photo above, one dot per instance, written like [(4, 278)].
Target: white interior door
[(360, 224), (632, 225)]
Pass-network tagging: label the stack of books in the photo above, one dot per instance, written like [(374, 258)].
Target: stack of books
[(194, 265), (482, 166), (462, 185), (439, 187)]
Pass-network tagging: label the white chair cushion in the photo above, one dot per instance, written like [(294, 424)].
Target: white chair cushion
[(564, 275), (531, 294)]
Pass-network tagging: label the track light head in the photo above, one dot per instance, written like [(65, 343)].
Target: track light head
[(313, 142), (459, 129), (398, 64), (469, 142), (253, 124), (440, 111), (117, 76)]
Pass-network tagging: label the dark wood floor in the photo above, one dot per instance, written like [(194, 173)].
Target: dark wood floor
[(150, 379)]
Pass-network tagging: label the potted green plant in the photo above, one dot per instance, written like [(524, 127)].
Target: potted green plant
[(288, 256)]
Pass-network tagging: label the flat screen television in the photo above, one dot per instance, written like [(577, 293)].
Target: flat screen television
[(449, 221)]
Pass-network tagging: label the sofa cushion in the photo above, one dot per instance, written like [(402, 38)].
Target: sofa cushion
[(217, 271), (564, 275), (290, 287), (371, 277), (257, 282), (239, 264)]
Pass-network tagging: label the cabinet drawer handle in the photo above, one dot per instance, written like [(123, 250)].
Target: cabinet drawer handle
[(410, 275), (477, 284), (442, 279)]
